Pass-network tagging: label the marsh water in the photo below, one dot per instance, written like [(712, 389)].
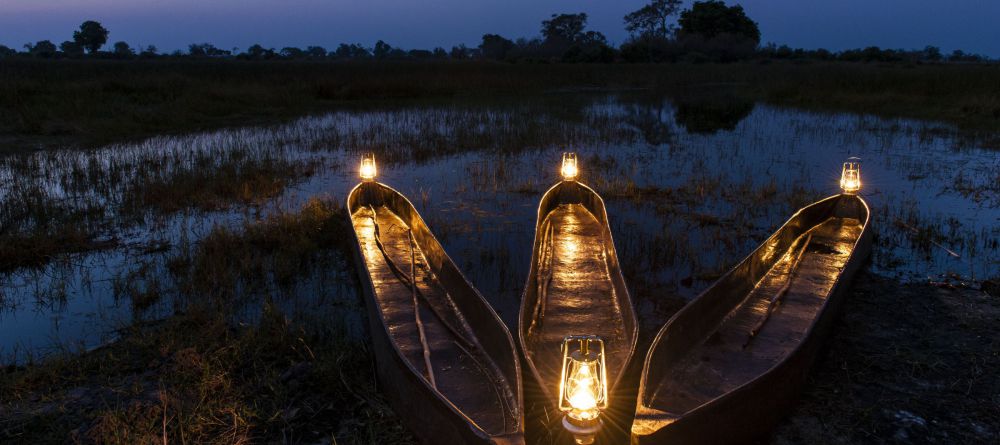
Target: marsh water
[(691, 186)]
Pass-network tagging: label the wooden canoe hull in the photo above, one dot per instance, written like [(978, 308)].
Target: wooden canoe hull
[(575, 193), (755, 407), (424, 410)]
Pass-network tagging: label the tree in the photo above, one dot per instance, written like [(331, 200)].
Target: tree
[(419, 54), (352, 51), (91, 36), (71, 48), (590, 47), (123, 51), (525, 49), (291, 52), (206, 50), (822, 54), (933, 53), (382, 50), (653, 19), (6, 52), (712, 18), (440, 53), (459, 52), (316, 52), (710, 30), (44, 49), (564, 28), (565, 39), (259, 52), (651, 49), (149, 52), (495, 46)]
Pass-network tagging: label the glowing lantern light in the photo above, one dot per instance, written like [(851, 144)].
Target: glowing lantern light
[(569, 169), (368, 169), (583, 389), (850, 176)]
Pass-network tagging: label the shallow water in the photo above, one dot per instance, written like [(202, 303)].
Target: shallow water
[(691, 188)]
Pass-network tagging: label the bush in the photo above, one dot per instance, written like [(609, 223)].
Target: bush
[(650, 49)]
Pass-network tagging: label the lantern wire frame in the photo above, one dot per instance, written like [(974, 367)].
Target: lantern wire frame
[(368, 169), (850, 176), (570, 168), (583, 388)]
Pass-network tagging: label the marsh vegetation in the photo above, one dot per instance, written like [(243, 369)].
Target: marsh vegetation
[(213, 262), (94, 102)]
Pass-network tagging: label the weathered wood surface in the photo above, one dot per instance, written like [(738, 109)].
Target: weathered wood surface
[(725, 368), (445, 360), (574, 287)]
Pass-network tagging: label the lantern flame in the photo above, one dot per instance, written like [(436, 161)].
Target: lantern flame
[(583, 395), (850, 176), (569, 168), (368, 169)]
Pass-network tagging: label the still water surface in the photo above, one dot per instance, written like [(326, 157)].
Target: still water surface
[(691, 188)]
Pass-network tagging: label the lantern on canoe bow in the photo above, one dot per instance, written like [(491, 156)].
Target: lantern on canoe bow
[(583, 387), (850, 176), (368, 169), (569, 168)]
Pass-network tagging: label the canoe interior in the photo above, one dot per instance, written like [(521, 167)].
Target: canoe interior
[(471, 355), (574, 286), (706, 356)]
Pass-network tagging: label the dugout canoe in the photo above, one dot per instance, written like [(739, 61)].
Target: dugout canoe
[(445, 361), (574, 287), (729, 365)]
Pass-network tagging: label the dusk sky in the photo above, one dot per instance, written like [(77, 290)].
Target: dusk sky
[(970, 25)]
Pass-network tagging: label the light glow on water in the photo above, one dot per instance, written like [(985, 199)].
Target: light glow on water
[(685, 200)]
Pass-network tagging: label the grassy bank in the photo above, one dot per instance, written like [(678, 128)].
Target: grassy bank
[(92, 102), (196, 378), (200, 377), (75, 203)]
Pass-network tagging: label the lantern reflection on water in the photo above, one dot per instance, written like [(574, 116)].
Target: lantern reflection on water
[(583, 390), (368, 170), (569, 169), (850, 176)]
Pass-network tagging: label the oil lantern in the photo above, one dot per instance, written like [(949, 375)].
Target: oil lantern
[(368, 169), (850, 176), (569, 168), (583, 387)]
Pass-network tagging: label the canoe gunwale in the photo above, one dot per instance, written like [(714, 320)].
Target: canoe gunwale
[(549, 202), (859, 253), (449, 277)]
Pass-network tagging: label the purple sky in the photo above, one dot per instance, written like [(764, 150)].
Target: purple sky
[(971, 25)]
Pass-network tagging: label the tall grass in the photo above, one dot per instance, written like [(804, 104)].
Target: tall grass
[(196, 378), (94, 102), (208, 375)]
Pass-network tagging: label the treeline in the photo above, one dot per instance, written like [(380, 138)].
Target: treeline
[(659, 32), (869, 54)]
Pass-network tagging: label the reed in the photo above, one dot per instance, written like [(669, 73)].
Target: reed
[(45, 103), (197, 378)]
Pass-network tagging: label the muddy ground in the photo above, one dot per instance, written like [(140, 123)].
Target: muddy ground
[(906, 364)]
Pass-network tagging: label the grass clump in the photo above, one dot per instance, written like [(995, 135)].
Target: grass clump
[(35, 226), (195, 378), (264, 256), (99, 101), (206, 375), (208, 183)]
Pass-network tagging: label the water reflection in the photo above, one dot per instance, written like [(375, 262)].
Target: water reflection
[(685, 200), (710, 113)]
